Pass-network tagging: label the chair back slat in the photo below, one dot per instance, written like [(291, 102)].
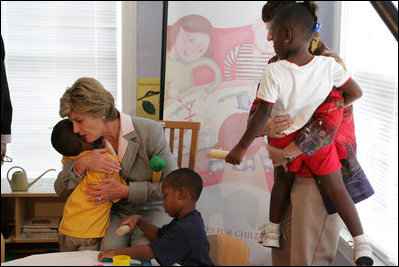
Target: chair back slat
[(183, 127), (180, 152), (171, 139), (194, 148)]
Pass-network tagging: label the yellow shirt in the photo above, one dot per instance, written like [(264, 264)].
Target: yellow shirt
[(81, 218)]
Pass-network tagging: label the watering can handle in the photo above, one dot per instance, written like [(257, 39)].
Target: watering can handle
[(13, 168)]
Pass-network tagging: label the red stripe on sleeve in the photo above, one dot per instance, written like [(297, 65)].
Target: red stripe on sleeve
[(266, 101), (345, 82)]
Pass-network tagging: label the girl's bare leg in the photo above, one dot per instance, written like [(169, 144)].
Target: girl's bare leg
[(280, 194), (336, 191)]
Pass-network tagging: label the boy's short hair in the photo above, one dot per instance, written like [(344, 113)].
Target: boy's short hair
[(185, 178), (64, 140)]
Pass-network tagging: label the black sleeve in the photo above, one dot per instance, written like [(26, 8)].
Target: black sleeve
[(6, 107)]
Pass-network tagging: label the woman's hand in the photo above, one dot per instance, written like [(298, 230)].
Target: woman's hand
[(277, 157), (110, 189), (107, 254), (97, 161), (275, 126)]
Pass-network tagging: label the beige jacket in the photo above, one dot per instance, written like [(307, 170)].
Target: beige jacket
[(147, 140)]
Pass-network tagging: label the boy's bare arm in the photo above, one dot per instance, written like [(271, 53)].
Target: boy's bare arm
[(150, 230), (351, 92)]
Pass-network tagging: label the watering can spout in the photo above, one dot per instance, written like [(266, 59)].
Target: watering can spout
[(34, 181)]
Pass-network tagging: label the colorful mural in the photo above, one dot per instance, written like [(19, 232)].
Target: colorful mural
[(211, 77)]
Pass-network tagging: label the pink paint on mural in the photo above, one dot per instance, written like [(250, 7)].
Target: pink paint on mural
[(242, 52)]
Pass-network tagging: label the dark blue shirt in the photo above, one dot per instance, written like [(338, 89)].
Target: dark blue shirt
[(183, 241)]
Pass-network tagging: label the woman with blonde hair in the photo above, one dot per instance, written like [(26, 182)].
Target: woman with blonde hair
[(134, 141)]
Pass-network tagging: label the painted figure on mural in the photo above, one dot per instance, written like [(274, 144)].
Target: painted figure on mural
[(189, 53), (248, 59), (225, 63), (254, 168)]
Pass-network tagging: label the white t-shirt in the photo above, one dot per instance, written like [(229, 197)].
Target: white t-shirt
[(299, 90)]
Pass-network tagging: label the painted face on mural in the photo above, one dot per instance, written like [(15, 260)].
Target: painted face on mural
[(190, 46)]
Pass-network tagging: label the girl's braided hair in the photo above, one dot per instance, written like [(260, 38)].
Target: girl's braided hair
[(301, 15)]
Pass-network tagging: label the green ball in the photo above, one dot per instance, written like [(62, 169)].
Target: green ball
[(157, 163)]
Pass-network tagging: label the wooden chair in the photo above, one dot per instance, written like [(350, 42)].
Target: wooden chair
[(183, 126), (228, 251)]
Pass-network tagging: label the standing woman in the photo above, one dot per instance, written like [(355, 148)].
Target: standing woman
[(311, 227), (134, 141)]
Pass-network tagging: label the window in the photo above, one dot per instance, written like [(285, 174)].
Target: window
[(48, 46), (370, 52)]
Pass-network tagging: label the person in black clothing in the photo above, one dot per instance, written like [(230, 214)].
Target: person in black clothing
[(6, 107), (183, 241)]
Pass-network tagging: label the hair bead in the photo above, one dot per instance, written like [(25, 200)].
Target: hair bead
[(318, 27)]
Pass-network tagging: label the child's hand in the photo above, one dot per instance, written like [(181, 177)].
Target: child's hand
[(106, 254), (235, 156)]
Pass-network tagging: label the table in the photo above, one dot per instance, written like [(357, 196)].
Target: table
[(75, 258)]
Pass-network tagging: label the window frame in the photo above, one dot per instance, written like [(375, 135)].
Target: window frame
[(345, 244)]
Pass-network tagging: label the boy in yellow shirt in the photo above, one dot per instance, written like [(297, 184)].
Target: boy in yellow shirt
[(83, 224)]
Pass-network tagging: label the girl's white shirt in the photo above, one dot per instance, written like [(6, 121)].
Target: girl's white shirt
[(299, 90)]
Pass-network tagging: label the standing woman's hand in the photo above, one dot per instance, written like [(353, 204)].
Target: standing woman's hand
[(97, 161), (275, 126)]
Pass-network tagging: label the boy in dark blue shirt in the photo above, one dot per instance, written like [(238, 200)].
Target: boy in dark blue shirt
[(183, 240)]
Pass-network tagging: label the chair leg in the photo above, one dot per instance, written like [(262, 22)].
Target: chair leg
[(3, 249)]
